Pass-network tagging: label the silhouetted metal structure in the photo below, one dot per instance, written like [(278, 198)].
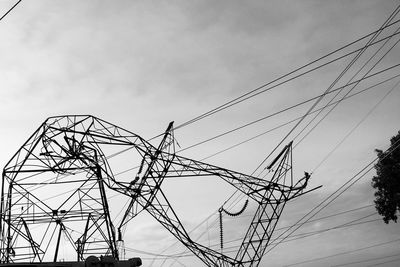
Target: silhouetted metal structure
[(72, 153)]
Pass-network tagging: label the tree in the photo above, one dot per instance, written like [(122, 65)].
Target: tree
[(387, 181)]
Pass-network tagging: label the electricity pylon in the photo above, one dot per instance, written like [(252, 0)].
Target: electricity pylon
[(72, 154)]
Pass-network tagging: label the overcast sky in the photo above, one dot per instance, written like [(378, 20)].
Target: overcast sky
[(142, 64)]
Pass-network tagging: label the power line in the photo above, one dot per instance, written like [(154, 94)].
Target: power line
[(289, 108), (324, 117), (348, 66), (373, 108), (120, 152), (350, 223), (303, 117), (2, 17), (368, 260), (309, 234), (347, 224), (380, 101), (333, 196), (346, 252), (380, 263), (330, 153), (300, 236), (360, 123), (355, 127), (250, 93), (280, 126), (320, 204), (337, 191), (291, 121), (213, 213), (306, 72)]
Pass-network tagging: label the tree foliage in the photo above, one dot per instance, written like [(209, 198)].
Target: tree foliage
[(387, 181)]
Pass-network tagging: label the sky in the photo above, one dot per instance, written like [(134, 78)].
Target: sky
[(143, 64)]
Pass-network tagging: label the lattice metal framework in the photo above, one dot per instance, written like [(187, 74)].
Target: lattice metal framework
[(72, 153)]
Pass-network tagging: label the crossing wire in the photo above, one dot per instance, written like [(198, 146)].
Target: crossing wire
[(355, 127), (17, 3), (214, 224), (348, 66), (360, 52), (384, 262), (292, 107), (368, 260), (311, 221), (129, 148), (363, 119), (309, 234), (315, 219), (304, 73), (354, 61), (178, 127), (254, 92), (118, 153), (32, 189), (346, 252), (335, 148), (293, 120), (324, 117), (355, 222), (233, 248), (333, 196)]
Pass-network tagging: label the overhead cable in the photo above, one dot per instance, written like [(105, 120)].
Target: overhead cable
[(348, 66), (345, 252), (287, 109), (326, 114), (257, 91), (5, 14), (333, 196), (356, 126), (368, 260)]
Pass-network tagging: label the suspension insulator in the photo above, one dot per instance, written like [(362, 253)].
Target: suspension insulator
[(239, 212), (221, 231)]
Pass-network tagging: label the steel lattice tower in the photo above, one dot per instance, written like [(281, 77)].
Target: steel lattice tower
[(72, 154)]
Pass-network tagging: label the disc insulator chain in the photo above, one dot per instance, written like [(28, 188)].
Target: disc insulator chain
[(221, 230), (234, 214)]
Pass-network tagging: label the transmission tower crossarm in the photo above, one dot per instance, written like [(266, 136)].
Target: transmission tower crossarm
[(251, 186)]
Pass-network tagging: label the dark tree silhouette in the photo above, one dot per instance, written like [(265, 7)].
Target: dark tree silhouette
[(387, 181)]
